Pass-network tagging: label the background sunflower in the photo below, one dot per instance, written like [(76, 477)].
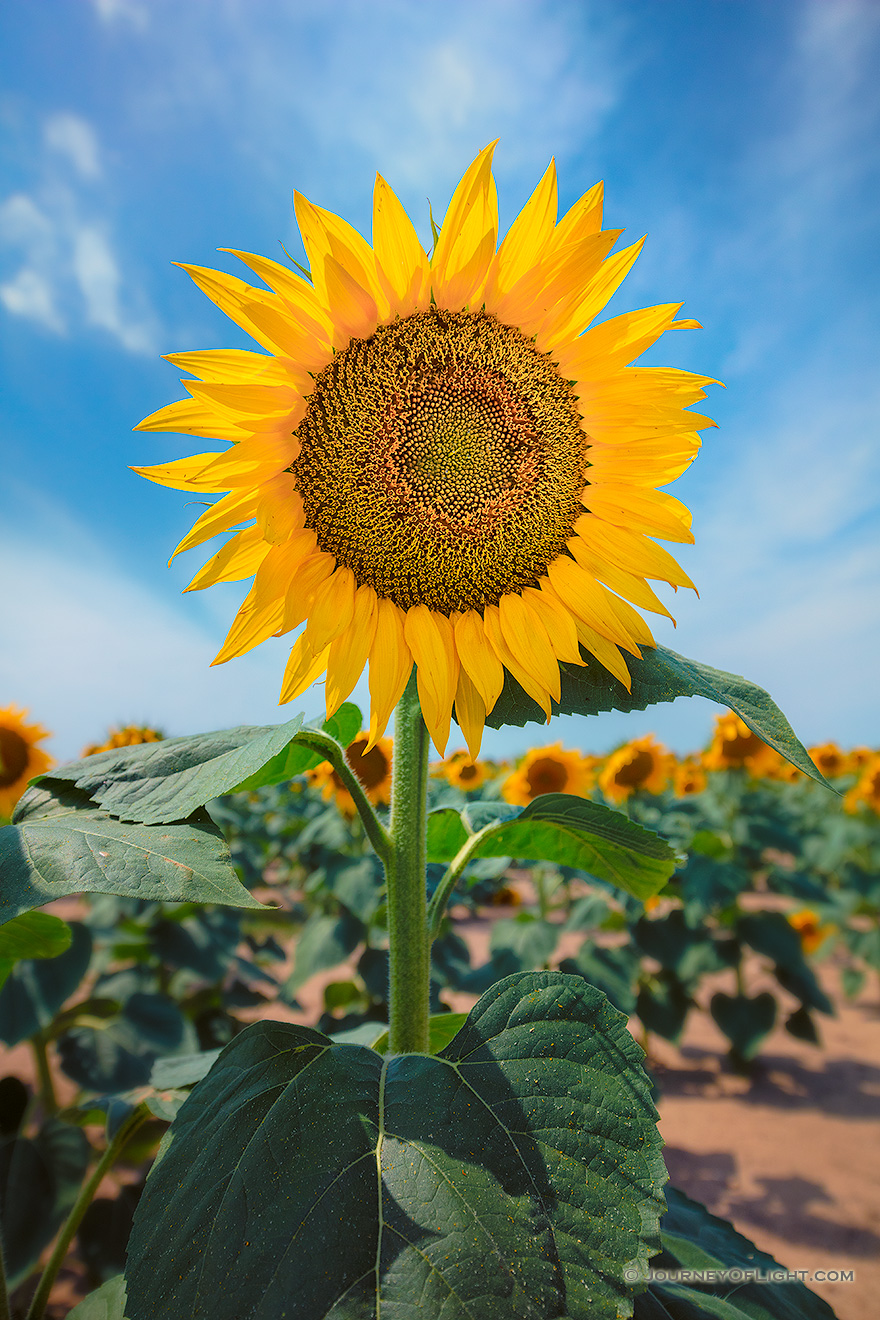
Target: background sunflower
[(21, 757)]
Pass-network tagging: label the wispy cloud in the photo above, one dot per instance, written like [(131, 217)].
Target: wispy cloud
[(59, 250), (125, 11)]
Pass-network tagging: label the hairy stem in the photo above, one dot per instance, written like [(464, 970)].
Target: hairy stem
[(330, 749), (405, 870), (443, 892), (81, 1205)]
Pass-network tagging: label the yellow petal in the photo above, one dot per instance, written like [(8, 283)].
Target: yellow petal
[(303, 667), (589, 305), (470, 713), (525, 239), (280, 510), (310, 574), (400, 255), (610, 346), (248, 398), (605, 652), (296, 292), (628, 585), (221, 364), (262, 612), (484, 669), (429, 637), (558, 622), (583, 595), (349, 651), (468, 235), (352, 309), (584, 217), (255, 459), (391, 664), (183, 473), (332, 608), (238, 300), (239, 558), (529, 641), (492, 624), (233, 508), (632, 551), (649, 511), (192, 417)]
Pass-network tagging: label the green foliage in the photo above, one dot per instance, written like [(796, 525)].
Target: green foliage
[(660, 675), (493, 1149), (40, 1177), (31, 935), (61, 843), (105, 1303), (36, 989)]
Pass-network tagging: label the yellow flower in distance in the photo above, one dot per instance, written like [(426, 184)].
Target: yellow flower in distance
[(866, 790), (20, 757), (372, 766), (438, 461), (549, 770), (129, 735), (461, 772), (829, 758), (688, 777), (642, 765), (810, 929), (734, 746)]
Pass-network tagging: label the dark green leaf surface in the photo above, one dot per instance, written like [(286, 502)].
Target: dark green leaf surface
[(63, 844), (39, 1181), (344, 726), (515, 1175), (745, 1020), (157, 783), (660, 675), (38, 988)]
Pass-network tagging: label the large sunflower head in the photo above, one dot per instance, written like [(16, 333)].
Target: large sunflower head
[(549, 770), (20, 756), (438, 460)]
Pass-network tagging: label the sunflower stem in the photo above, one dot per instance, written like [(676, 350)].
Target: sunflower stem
[(406, 874), (333, 752)]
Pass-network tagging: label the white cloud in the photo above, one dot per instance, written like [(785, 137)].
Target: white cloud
[(114, 11), (29, 294), (74, 137), (97, 274)]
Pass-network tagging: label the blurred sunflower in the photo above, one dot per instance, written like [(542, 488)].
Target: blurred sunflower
[(808, 925), (857, 758), (20, 757), (734, 746), (830, 759), (371, 764), (866, 790), (688, 777), (549, 770), (129, 735), (443, 468), (642, 765), (460, 771)]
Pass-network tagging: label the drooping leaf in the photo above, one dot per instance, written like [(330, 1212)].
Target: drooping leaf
[(663, 1006), (324, 941), (660, 675), (531, 940), (745, 1020), (295, 759), (613, 971), (182, 1070), (119, 1055), (515, 1175), (571, 831), (63, 844)]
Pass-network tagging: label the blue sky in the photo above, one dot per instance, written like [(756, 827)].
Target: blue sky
[(740, 135)]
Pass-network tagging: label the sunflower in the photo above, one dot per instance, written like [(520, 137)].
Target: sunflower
[(549, 770), (642, 765), (128, 735), (829, 758), (866, 790), (371, 764), (688, 777), (438, 462), (460, 771), (809, 927), (734, 746), (20, 757)]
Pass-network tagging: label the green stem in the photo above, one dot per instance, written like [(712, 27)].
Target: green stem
[(48, 1099), (81, 1205), (331, 750), (443, 892), (405, 869)]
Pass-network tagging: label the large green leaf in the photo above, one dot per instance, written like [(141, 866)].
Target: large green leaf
[(63, 844), (515, 1175), (568, 830), (157, 783), (660, 675), (296, 758)]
